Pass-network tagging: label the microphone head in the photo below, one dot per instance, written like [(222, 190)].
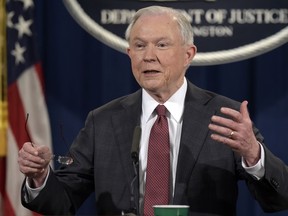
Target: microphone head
[(135, 143)]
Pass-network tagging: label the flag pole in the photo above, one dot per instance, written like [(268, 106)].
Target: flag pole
[(3, 81), (3, 103)]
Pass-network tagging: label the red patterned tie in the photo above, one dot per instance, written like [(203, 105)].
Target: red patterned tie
[(158, 164)]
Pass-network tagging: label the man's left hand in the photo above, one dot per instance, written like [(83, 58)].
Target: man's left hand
[(236, 131)]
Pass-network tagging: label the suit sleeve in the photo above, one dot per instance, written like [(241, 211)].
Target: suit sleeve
[(53, 190), (272, 190)]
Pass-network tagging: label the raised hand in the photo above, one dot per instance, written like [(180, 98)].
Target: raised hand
[(236, 131)]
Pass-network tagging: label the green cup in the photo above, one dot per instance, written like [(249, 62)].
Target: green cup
[(171, 210)]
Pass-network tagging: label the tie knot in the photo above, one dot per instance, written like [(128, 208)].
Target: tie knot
[(161, 110)]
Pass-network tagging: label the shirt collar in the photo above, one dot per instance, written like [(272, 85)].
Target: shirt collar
[(175, 104)]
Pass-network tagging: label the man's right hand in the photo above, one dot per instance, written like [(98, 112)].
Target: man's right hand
[(34, 162)]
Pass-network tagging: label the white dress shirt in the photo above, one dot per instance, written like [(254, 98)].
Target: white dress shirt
[(175, 108)]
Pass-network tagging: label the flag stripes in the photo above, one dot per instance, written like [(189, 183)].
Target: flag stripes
[(25, 95)]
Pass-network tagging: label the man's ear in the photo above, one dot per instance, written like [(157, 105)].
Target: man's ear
[(128, 51), (190, 53)]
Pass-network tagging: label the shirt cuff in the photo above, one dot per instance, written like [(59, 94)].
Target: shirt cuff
[(258, 170), (32, 193)]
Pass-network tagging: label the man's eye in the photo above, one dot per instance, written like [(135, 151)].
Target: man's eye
[(139, 46), (162, 45)]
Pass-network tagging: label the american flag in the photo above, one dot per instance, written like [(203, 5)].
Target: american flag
[(25, 95)]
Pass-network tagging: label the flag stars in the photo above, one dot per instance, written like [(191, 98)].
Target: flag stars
[(18, 53), (27, 3), (9, 19), (23, 27)]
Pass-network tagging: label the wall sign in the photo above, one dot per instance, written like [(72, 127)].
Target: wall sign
[(224, 31)]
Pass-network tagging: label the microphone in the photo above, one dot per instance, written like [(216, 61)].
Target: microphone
[(135, 144), (135, 159)]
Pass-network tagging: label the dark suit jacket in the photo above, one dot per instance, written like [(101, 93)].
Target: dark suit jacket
[(207, 171)]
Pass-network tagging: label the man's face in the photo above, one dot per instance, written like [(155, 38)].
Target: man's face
[(159, 57)]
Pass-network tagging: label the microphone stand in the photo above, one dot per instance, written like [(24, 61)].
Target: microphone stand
[(134, 184), (133, 211)]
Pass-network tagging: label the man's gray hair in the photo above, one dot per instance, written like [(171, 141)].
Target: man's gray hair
[(182, 20)]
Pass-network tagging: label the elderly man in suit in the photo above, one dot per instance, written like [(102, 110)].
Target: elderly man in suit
[(212, 141)]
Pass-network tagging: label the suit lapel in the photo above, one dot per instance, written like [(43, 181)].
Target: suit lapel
[(124, 122), (194, 132)]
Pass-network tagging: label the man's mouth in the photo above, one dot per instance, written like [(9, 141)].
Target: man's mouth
[(151, 71)]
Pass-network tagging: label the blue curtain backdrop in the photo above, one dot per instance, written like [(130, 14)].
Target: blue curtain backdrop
[(81, 73)]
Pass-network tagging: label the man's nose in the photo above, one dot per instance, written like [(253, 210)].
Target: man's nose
[(150, 54)]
